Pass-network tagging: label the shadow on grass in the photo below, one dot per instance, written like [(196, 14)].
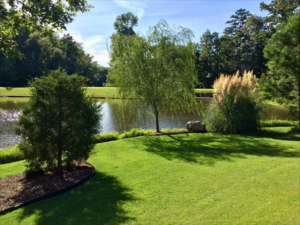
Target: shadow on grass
[(99, 201), (207, 149), (285, 136)]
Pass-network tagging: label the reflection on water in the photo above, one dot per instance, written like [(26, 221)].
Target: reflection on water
[(112, 118), (8, 119)]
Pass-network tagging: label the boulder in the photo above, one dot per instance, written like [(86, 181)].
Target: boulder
[(195, 126)]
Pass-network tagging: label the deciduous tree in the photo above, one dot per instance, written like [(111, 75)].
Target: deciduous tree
[(158, 70), (40, 15)]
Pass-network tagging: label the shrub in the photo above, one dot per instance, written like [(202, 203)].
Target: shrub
[(10, 155), (59, 122), (99, 138), (135, 133), (235, 108), (278, 123)]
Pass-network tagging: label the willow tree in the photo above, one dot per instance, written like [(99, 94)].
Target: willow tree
[(157, 70)]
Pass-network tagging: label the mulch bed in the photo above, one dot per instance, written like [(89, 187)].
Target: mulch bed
[(17, 190)]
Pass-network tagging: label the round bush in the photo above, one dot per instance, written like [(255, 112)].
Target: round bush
[(59, 122)]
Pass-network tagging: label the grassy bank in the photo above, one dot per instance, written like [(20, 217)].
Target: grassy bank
[(99, 92), (180, 179)]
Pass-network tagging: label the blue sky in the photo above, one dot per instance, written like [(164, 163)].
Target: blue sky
[(93, 29)]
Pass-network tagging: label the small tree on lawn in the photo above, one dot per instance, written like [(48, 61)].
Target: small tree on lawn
[(157, 70), (59, 121)]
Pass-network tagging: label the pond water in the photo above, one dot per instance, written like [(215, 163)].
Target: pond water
[(111, 111)]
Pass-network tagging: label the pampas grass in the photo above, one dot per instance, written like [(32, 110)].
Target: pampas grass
[(235, 108)]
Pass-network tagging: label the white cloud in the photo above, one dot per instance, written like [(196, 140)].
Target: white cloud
[(94, 45), (136, 7)]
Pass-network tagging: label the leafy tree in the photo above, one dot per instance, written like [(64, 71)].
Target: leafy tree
[(215, 57), (125, 22), (279, 13), (42, 54), (158, 70), (40, 15), (283, 52), (58, 121), (239, 38), (209, 57), (254, 29)]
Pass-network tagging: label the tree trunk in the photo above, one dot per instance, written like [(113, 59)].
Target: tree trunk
[(299, 88), (299, 100), (59, 161), (157, 122), (59, 153)]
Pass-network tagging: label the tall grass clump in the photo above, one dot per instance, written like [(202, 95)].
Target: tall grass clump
[(235, 107)]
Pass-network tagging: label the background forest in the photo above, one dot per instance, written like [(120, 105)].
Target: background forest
[(239, 47)]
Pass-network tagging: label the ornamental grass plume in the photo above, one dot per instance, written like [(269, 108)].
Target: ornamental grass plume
[(235, 108), (234, 85)]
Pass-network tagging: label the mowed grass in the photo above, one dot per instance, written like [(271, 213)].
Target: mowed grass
[(99, 92), (180, 179)]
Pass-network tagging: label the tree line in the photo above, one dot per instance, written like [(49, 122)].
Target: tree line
[(40, 54), (241, 46)]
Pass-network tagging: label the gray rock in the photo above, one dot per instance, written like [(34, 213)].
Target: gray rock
[(195, 126)]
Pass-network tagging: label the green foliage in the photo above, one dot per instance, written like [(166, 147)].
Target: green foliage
[(124, 24), (235, 108), (283, 52), (158, 70), (232, 118), (42, 54), (8, 155), (111, 136), (239, 48), (277, 123), (238, 37), (279, 12), (135, 133), (41, 15), (59, 120)]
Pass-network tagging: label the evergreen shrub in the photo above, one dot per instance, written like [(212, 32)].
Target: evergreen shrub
[(58, 123)]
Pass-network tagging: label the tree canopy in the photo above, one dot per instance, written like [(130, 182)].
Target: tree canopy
[(125, 22), (40, 15), (158, 70), (42, 54), (283, 52), (58, 121)]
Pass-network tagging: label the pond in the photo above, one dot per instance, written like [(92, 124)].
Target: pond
[(111, 111)]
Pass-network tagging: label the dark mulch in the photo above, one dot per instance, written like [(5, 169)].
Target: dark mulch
[(17, 190)]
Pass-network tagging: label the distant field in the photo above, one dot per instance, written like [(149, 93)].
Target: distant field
[(99, 92)]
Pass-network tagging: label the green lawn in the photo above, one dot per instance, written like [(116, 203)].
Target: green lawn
[(180, 179), (103, 92)]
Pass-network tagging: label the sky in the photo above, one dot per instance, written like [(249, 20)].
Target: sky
[(93, 29)]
